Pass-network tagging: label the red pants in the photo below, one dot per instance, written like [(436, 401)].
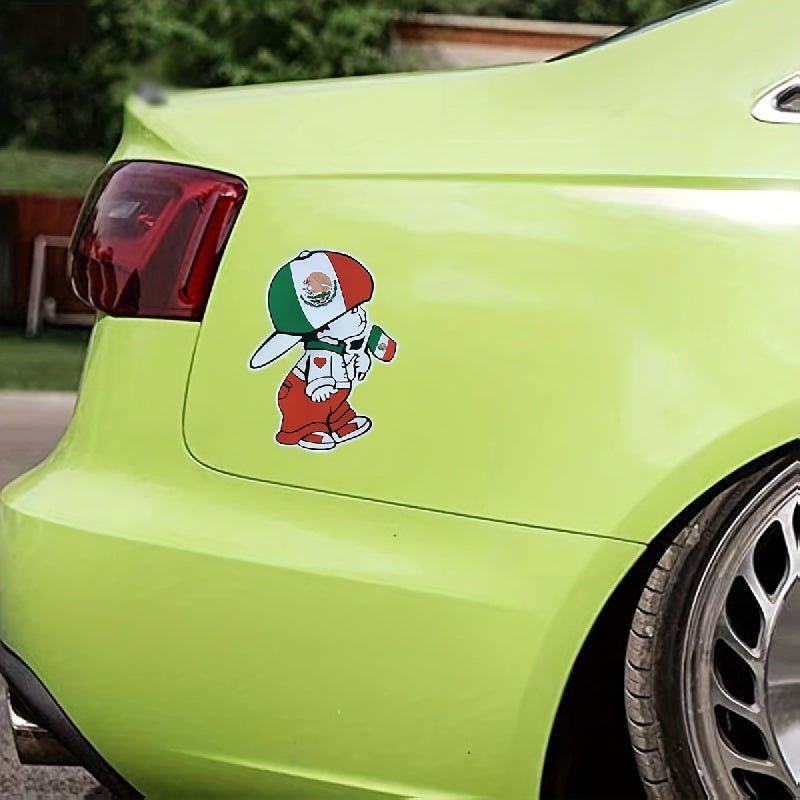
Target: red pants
[(301, 415)]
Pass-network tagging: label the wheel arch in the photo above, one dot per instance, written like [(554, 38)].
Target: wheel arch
[(589, 755)]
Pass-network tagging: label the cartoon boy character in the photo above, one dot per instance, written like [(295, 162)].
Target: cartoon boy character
[(317, 299)]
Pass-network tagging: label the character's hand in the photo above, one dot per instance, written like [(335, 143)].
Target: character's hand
[(322, 394), (363, 364)]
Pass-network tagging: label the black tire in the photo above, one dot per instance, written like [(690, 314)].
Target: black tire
[(653, 679)]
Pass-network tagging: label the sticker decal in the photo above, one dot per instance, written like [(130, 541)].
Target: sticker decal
[(317, 299)]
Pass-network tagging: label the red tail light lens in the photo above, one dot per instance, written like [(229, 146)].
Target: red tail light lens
[(150, 237)]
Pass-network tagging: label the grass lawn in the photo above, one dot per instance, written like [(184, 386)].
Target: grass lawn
[(46, 172), (51, 361)]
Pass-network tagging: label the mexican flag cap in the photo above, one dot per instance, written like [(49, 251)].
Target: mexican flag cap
[(314, 288)]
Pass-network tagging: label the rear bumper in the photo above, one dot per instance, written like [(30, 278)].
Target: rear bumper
[(243, 640), (45, 735), (219, 637)]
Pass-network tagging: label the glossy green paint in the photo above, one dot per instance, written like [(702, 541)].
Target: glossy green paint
[(577, 260), (589, 268), (216, 637)]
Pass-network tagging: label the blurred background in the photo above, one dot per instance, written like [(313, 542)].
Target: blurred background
[(66, 67)]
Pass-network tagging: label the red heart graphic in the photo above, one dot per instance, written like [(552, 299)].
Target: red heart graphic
[(320, 362)]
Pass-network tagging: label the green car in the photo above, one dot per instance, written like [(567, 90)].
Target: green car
[(437, 438)]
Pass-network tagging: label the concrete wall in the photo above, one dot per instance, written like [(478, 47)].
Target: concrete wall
[(432, 41)]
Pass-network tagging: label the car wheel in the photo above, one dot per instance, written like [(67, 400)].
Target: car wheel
[(713, 661)]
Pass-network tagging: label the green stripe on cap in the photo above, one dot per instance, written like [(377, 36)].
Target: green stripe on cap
[(284, 306)]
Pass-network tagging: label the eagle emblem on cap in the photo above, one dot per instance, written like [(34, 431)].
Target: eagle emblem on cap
[(318, 289)]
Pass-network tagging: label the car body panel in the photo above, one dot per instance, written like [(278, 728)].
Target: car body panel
[(331, 647), (574, 286), (590, 274), (590, 332), (686, 112)]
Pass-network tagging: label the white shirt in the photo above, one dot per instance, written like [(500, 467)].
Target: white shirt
[(326, 368)]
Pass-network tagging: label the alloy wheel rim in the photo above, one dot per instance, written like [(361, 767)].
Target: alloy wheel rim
[(741, 658)]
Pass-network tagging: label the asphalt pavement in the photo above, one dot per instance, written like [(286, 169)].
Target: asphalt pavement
[(30, 426)]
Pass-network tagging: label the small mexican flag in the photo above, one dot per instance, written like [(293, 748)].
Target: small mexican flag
[(380, 344)]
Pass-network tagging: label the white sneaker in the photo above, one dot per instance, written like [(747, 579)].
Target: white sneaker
[(363, 424), (317, 441)]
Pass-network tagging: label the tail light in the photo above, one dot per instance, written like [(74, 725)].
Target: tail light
[(150, 237)]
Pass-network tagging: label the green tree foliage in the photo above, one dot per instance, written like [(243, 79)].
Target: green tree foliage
[(230, 42), (616, 12), (60, 63), (573, 10), (65, 65)]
